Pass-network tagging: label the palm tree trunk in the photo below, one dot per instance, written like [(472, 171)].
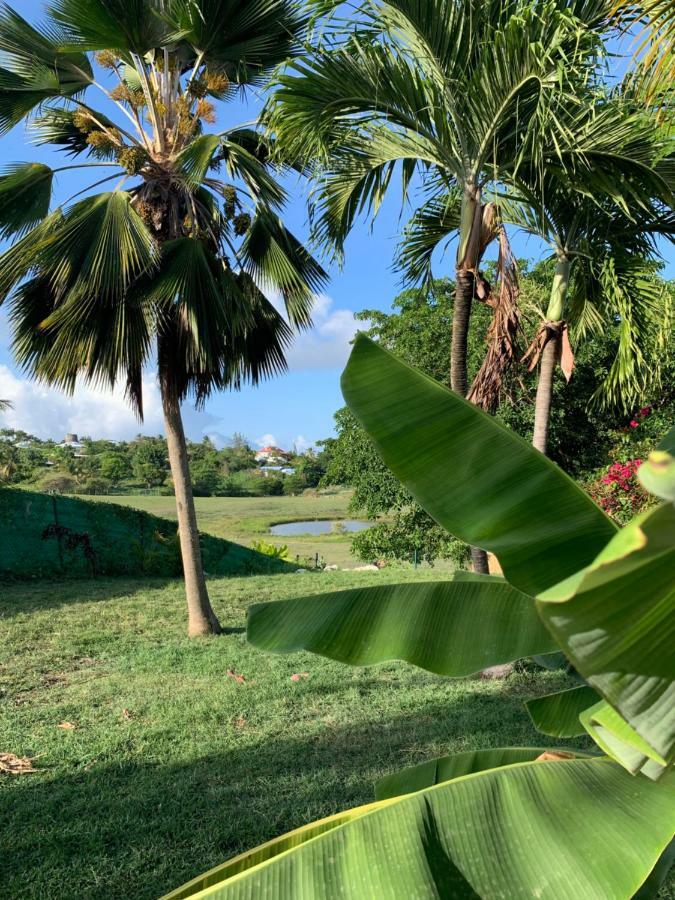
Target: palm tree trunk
[(542, 406), (201, 617), (461, 316), (550, 354)]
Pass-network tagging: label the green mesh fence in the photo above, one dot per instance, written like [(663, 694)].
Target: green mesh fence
[(46, 536)]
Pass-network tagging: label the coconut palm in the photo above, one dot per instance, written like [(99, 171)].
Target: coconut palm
[(170, 265)]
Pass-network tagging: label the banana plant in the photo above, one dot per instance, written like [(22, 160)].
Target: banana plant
[(516, 822)]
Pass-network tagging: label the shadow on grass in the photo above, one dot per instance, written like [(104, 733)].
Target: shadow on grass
[(133, 829), (17, 597)]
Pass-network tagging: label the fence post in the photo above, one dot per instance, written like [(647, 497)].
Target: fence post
[(58, 533)]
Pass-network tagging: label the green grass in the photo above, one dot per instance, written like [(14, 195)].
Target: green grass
[(247, 519), (131, 804)]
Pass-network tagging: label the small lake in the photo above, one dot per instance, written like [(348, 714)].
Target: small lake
[(318, 526)]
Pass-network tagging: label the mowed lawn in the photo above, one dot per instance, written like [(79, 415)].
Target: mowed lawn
[(173, 764), (248, 519)]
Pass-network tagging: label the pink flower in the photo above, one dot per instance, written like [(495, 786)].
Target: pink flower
[(645, 411), (634, 423)]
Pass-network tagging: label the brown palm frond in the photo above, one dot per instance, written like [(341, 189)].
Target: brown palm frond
[(503, 332)]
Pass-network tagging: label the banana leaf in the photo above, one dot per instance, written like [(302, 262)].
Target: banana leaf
[(558, 829), (614, 620), (482, 482), (445, 768), (454, 627), (558, 714)]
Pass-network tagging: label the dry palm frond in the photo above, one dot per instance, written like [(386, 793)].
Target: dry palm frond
[(502, 333)]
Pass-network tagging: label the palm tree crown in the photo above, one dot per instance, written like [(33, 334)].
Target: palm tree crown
[(174, 261), (175, 251)]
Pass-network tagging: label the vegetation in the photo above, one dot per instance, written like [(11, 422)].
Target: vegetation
[(571, 575), (168, 266), (183, 764), (101, 467), (585, 440)]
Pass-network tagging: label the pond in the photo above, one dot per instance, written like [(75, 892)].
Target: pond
[(318, 526)]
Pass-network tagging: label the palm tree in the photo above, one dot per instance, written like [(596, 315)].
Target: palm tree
[(457, 91), (598, 202), (5, 405), (171, 264), (604, 273), (655, 21)]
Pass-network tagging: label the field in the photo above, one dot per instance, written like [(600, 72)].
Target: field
[(248, 519), (154, 764)]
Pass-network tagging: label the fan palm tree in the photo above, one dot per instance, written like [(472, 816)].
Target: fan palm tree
[(171, 264)]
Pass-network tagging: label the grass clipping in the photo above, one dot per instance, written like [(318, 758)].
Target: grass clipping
[(15, 765)]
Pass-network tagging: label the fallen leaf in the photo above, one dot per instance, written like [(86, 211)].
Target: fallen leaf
[(67, 725), (298, 675), (10, 764), (126, 714), (240, 679), (240, 722), (553, 755)]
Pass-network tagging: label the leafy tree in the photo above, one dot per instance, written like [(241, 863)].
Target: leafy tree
[(149, 462), (463, 94), (114, 466), (418, 330), (168, 264), (239, 456), (206, 476)]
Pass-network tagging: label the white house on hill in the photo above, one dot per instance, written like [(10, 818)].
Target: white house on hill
[(272, 456)]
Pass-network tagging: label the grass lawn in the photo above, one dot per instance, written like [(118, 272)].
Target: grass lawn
[(172, 766), (247, 519)]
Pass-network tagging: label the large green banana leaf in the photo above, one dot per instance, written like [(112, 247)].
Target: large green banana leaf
[(445, 768), (558, 714), (615, 620), (479, 480), (453, 627), (615, 736), (557, 830), (267, 851)]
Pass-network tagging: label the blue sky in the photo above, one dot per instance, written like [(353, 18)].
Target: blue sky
[(296, 407)]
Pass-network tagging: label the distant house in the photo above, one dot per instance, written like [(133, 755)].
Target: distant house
[(273, 456)]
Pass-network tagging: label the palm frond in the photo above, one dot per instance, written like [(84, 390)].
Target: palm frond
[(245, 41), (25, 196), (643, 308), (278, 262), (56, 125), (431, 224), (35, 68), (131, 25)]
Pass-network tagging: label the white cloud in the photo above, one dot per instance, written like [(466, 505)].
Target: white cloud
[(267, 440), (326, 344), (49, 413), (301, 443)]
